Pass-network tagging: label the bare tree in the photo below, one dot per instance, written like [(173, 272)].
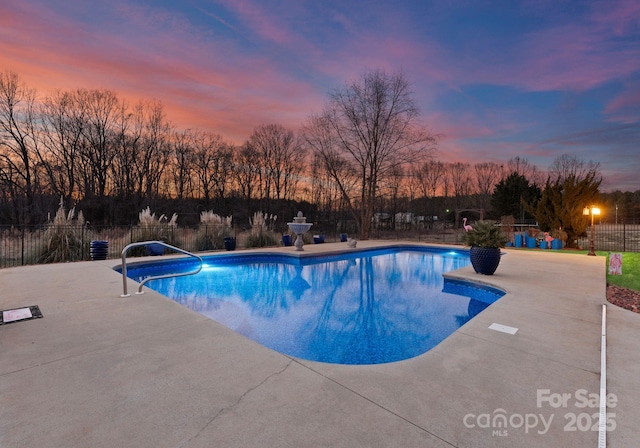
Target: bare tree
[(488, 174), (62, 119), (524, 168), (98, 149), (18, 142), (324, 191), (247, 171), (429, 177), (183, 163), (281, 158), (566, 166), (155, 148), (370, 127), (128, 143), (213, 165), (460, 176), (394, 190)]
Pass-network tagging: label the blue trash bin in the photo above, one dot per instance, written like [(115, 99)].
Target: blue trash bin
[(532, 243), (556, 244), (518, 242)]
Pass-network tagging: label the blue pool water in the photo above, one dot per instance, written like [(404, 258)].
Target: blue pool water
[(361, 307)]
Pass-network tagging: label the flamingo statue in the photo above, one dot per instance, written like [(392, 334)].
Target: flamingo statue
[(548, 238), (464, 224)]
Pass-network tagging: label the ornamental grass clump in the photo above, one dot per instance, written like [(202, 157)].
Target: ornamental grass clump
[(151, 228), (212, 231), (485, 234), (66, 238), (261, 233)]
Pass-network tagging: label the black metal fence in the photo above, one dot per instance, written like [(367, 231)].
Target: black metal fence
[(621, 237), (21, 246)]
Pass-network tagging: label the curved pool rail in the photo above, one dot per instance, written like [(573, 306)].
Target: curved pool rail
[(143, 282)]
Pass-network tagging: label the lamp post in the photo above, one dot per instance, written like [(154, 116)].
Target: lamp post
[(591, 211)]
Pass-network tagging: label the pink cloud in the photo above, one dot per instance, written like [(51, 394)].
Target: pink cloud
[(199, 84), (625, 108), (260, 21)]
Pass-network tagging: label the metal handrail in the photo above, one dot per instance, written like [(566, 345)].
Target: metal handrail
[(155, 277)]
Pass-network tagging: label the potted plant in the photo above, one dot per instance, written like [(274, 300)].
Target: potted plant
[(485, 240)]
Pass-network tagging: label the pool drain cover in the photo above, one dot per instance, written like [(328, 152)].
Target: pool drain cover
[(503, 328), (20, 314)]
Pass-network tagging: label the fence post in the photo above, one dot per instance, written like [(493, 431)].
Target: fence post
[(82, 238), (22, 248), (624, 236)]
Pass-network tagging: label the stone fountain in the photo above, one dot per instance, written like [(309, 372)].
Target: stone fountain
[(299, 226)]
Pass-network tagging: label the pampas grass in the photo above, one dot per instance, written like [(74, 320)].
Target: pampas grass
[(261, 233), (212, 231), (151, 228), (66, 238)]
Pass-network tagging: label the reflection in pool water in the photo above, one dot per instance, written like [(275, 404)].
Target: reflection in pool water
[(370, 308)]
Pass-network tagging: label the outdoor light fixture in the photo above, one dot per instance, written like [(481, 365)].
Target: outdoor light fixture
[(591, 211)]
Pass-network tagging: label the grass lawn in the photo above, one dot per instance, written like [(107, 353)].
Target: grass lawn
[(630, 277)]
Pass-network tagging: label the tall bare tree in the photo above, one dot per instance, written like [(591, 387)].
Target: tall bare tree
[(487, 176), (128, 143), (247, 172), (63, 118), (281, 159), (99, 131), (523, 167), (370, 127), (213, 165), (429, 177), (567, 165), (18, 143), (155, 149), (183, 163), (459, 175)]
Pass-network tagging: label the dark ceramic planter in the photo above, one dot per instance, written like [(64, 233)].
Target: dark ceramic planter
[(99, 250), (485, 260), (230, 243), (155, 249)]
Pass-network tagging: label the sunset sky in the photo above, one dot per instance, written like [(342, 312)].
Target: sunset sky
[(497, 79)]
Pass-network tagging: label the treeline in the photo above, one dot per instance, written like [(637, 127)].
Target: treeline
[(110, 159), (98, 153)]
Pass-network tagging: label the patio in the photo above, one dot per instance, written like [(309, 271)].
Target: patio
[(99, 370)]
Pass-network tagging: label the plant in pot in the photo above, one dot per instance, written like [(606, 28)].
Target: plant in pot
[(485, 240)]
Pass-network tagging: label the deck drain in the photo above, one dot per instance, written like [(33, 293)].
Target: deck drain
[(20, 314), (503, 328)]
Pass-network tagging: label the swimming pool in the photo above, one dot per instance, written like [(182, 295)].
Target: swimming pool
[(357, 307)]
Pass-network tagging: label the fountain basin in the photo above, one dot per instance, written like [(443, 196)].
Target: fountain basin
[(299, 227)]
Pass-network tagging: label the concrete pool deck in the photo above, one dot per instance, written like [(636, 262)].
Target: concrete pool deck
[(99, 370)]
